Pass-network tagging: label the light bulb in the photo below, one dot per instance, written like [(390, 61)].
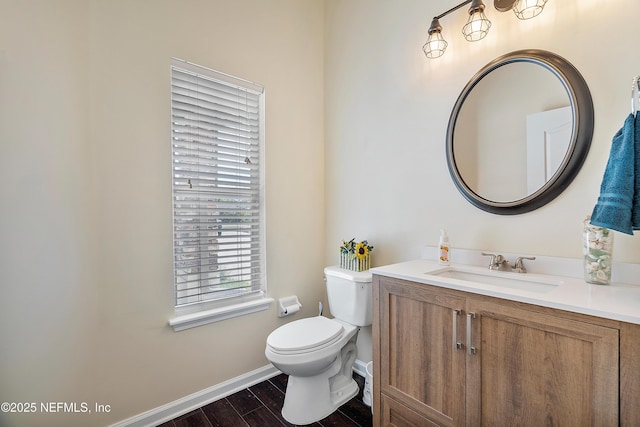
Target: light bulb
[(436, 44), (477, 25), (527, 9)]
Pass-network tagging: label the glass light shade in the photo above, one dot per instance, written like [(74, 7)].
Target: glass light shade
[(527, 9), (477, 26), (435, 45)]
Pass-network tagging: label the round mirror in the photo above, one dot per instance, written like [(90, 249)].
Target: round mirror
[(519, 132)]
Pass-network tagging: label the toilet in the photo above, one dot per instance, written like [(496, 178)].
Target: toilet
[(318, 353)]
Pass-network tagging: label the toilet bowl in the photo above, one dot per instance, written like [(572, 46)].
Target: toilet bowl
[(318, 353), (319, 373)]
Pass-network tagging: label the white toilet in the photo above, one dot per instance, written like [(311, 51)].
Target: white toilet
[(318, 353)]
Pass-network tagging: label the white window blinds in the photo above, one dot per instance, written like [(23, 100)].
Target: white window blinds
[(216, 126)]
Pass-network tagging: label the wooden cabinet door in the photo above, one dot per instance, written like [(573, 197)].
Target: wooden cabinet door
[(419, 366), (396, 415), (534, 369)]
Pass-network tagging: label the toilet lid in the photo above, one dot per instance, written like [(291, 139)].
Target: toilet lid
[(304, 334)]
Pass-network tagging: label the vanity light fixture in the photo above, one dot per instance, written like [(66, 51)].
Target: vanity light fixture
[(527, 9), (435, 45), (477, 25)]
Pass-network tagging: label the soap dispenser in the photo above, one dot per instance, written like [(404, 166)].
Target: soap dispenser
[(443, 248)]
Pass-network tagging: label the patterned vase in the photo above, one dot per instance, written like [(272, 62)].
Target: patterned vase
[(598, 250)]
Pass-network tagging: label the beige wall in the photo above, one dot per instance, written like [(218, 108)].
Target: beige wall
[(85, 229), (356, 121), (387, 108)]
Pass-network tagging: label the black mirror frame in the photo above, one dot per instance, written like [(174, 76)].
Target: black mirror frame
[(583, 122)]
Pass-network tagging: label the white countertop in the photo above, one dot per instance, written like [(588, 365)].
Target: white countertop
[(615, 301)]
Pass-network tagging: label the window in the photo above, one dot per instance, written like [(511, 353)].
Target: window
[(217, 140)]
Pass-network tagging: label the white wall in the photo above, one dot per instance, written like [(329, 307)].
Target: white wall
[(85, 229), (387, 108)]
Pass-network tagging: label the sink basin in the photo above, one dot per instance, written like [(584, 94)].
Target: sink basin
[(520, 281)]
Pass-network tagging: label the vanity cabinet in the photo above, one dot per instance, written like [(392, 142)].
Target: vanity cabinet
[(450, 358)]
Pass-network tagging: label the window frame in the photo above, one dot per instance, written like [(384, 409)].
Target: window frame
[(223, 307)]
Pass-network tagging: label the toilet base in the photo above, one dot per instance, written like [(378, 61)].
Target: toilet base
[(309, 399)]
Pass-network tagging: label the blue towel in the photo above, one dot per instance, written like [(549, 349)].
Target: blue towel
[(617, 192), (635, 213)]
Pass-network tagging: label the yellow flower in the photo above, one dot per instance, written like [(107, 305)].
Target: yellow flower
[(362, 250)]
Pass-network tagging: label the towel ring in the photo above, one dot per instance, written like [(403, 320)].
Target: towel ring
[(635, 95)]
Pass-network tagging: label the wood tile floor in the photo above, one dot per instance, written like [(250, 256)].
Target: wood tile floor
[(260, 406)]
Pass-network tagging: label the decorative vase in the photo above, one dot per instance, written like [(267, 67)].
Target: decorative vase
[(353, 263), (597, 247)]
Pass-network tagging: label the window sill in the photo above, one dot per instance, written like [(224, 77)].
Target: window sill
[(192, 320)]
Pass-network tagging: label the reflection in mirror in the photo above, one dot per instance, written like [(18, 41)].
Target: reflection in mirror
[(519, 132), (501, 132)]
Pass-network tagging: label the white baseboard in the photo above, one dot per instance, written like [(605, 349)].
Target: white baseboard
[(360, 368), (201, 398)]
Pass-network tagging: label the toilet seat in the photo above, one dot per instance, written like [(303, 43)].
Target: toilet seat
[(305, 335)]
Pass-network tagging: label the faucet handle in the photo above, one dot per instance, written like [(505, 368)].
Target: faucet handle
[(518, 267), (493, 258)]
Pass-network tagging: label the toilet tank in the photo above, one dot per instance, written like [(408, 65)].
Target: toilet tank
[(350, 295)]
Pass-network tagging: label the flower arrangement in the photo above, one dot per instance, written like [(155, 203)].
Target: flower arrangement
[(355, 256)]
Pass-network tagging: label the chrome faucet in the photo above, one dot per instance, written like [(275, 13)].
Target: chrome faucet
[(498, 262)]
